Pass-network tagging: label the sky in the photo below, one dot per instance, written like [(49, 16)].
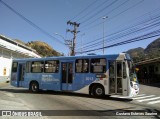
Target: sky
[(52, 17)]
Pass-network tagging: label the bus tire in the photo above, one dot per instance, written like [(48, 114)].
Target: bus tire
[(98, 91), (34, 87)]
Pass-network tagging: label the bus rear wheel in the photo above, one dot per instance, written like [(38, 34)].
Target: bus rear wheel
[(98, 91), (34, 87)]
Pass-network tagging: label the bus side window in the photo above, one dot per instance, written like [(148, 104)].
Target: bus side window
[(112, 69), (124, 70), (98, 65), (119, 69), (28, 67), (14, 66), (37, 66), (52, 66), (82, 66)]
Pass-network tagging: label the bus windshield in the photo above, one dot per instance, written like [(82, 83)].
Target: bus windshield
[(132, 73)]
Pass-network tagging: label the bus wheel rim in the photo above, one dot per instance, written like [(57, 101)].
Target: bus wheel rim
[(34, 87), (99, 91)]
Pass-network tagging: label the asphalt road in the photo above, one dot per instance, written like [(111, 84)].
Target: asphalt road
[(70, 105)]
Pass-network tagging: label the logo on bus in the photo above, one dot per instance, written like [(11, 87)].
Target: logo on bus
[(48, 78)]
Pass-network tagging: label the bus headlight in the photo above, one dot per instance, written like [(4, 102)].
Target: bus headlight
[(134, 79)]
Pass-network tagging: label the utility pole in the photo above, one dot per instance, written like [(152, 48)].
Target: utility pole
[(76, 25)]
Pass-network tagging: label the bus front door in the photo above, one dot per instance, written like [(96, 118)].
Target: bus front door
[(21, 71), (115, 80), (67, 75)]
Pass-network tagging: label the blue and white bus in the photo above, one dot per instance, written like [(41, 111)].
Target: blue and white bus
[(96, 75)]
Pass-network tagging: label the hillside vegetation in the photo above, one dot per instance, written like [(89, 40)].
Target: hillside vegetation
[(42, 48), (150, 52)]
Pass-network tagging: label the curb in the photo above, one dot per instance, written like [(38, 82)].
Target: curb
[(3, 83)]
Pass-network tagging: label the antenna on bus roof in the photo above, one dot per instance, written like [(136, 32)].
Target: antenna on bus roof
[(91, 54)]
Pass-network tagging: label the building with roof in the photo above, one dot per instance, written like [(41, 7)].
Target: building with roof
[(149, 71), (10, 49)]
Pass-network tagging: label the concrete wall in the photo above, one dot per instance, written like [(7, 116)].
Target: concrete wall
[(5, 69)]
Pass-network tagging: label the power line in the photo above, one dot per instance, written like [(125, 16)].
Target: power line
[(107, 14), (84, 10), (141, 18), (117, 38), (92, 10), (143, 37), (132, 31), (85, 27), (127, 31), (99, 11), (31, 23), (151, 24)]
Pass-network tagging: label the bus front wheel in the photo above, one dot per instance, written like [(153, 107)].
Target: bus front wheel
[(34, 87), (98, 91)]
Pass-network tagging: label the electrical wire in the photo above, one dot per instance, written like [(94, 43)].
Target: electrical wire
[(89, 12), (153, 23), (31, 23), (85, 27), (143, 37), (84, 9), (107, 14), (123, 36), (130, 28), (101, 10)]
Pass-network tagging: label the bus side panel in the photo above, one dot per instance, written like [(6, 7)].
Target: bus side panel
[(51, 81), (82, 80), (45, 81), (15, 77), (14, 80)]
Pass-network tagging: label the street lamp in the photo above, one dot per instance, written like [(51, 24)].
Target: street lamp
[(60, 36), (67, 42), (103, 31)]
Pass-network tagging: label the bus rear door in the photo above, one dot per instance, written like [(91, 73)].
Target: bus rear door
[(21, 71), (67, 75)]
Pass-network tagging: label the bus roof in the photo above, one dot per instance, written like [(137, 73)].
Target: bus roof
[(120, 56)]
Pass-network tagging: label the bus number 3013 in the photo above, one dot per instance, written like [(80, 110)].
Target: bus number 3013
[(89, 78)]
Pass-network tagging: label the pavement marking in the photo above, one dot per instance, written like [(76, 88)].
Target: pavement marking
[(154, 102), (148, 99), (140, 95), (9, 94), (124, 97), (143, 97)]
